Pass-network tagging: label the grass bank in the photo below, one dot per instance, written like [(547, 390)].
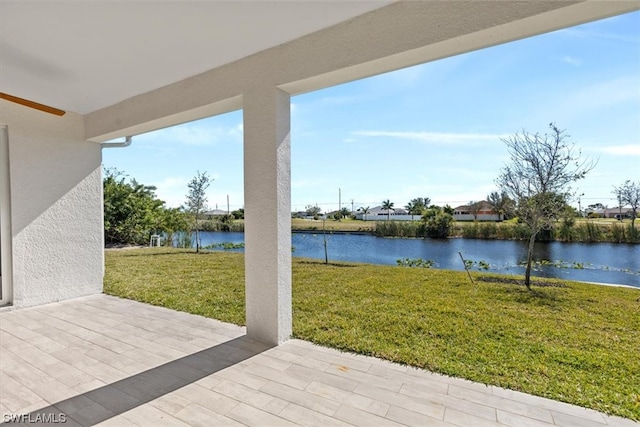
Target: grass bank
[(582, 230), (577, 344), (299, 224)]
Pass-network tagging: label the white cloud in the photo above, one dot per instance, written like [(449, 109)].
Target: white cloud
[(237, 132), (404, 76), (572, 61), (593, 98), (432, 137), (301, 183), (171, 190), (619, 150), (172, 182), (193, 134), (584, 33), (341, 100), (306, 183)]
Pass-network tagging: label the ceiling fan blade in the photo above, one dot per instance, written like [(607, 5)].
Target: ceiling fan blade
[(32, 104)]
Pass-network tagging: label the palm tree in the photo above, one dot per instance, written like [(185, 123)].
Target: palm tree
[(388, 205), (364, 211), (411, 208), (417, 206)]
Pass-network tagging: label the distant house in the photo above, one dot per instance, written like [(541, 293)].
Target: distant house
[(379, 214), (214, 213), (616, 212), (484, 212), (378, 211), (598, 213)]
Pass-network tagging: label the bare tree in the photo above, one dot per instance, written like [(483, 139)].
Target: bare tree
[(197, 200), (474, 209), (538, 178), (629, 194), (313, 210)]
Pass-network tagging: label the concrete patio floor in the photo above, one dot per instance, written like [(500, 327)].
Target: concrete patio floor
[(107, 361)]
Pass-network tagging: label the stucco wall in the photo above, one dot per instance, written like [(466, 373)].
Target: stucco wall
[(56, 207)]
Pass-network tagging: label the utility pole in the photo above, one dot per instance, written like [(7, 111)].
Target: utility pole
[(228, 205), (579, 205), (620, 206), (339, 199), (352, 207)]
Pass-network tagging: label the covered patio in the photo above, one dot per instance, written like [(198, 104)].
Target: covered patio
[(101, 360), (185, 61), (119, 69)]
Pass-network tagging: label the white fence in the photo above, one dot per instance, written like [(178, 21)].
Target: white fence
[(457, 217), (480, 217), (392, 217)]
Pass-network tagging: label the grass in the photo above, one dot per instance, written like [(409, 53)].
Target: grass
[(344, 224), (577, 344)]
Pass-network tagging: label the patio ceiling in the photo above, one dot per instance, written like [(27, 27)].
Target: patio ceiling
[(84, 56), (132, 67)]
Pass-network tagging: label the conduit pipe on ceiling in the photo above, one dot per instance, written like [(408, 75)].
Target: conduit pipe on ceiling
[(125, 143)]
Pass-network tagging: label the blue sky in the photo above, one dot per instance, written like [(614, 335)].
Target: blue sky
[(432, 130)]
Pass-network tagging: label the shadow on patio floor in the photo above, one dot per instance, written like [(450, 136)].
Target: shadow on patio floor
[(99, 405)]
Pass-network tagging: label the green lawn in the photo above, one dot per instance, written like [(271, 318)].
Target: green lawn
[(344, 224), (578, 344)]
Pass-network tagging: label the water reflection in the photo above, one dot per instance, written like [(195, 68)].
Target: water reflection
[(591, 262)]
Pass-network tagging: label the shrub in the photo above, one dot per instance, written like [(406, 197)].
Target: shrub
[(470, 232), (437, 223), (399, 229), (589, 232), (564, 232), (487, 230), (617, 233)]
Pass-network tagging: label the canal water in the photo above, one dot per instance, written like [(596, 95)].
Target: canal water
[(613, 263)]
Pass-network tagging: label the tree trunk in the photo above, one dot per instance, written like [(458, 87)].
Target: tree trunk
[(527, 274), (324, 238)]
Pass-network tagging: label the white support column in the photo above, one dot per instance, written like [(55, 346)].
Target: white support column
[(267, 197), (6, 233)]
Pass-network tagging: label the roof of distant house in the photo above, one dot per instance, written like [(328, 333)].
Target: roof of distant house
[(484, 205), (378, 210), (216, 212)]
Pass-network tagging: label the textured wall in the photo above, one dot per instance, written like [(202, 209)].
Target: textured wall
[(56, 207), (267, 178)]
